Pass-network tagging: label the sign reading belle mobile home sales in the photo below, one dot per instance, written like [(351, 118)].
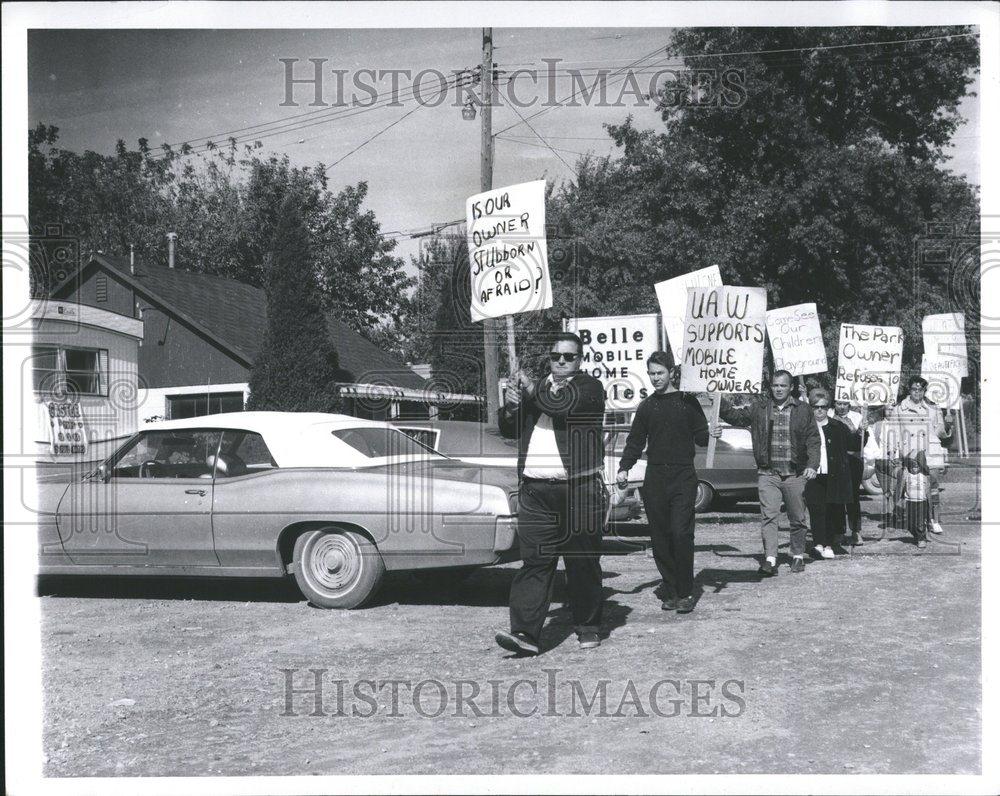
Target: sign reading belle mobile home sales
[(673, 296), (796, 339), (944, 339), (614, 351), (509, 263), (869, 359), (724, 339)]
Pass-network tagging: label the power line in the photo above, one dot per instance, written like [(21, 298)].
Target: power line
[(547, 144), (543, 145)]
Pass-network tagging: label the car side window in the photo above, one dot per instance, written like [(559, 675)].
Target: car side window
[(243, 452), (168, 454)]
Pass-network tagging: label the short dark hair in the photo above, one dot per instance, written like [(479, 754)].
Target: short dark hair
[(916, 380), (569, 337), (777, 373), (819, 392), (664, 359)]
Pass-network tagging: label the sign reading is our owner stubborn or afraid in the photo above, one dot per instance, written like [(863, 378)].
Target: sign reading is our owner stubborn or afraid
[(796, 339), (724, 339), (869, 359), (508, 260), (672, 295), (614, 352)]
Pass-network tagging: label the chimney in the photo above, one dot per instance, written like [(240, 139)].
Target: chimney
[(131, 259), (171, 237)]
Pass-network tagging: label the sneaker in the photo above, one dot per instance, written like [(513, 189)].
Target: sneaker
[(520, 643), (798, 564), (685, 605), (767, 569), (828, 552), (669, 604), (921, 544), (588, 640), (817, 552), (936, 527)]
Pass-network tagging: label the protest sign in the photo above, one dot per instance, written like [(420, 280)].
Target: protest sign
[(673, 296), (724, 329), (869, 359), (508, 259), (796, 339), (944, 339), (614, 351)]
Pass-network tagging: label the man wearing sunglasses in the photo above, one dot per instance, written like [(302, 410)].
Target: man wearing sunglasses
[(558, 422)]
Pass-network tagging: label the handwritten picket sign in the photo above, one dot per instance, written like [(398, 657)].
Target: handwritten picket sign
[(614, 352), (672, 295), (508, 258), (796, 339), (944, 380), (944, 339), (869, 363), (724, 331)]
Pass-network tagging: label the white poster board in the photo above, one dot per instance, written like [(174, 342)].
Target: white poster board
[(615, 349), (508, 259), (796, 339), (672, 295), (724, 331), (869, 360), (944, 380), (67, 432), (944, 339)]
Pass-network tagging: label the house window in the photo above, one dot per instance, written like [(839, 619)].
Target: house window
[(180, 406), (79, 371), (101, 286)]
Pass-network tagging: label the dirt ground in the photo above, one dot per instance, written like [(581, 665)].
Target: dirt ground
[(866, 664)]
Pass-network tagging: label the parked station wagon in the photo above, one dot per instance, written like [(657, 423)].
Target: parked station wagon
[(333, 500)]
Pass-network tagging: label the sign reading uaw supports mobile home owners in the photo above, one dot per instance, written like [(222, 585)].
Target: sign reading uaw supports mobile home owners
[(614, 351), (724, 339), (869, 359), (508, 260), (796, 339)]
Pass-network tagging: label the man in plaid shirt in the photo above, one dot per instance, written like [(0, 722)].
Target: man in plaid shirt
[(786, 446)]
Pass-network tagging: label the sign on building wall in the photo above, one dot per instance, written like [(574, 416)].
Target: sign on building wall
[(615, 349), (869, 360), (724, 330), (796, 339), (67, 431), (672, 295), (508, 259)]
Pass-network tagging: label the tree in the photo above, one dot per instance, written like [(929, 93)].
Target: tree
[(817, 185), (297, 367), (223, 205)]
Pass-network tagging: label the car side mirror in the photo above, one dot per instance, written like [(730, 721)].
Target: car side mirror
[(103, 473)]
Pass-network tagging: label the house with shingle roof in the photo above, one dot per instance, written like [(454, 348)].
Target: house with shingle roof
[(201, 334)]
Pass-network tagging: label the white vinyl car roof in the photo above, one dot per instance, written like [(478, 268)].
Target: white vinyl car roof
[(296, 439)]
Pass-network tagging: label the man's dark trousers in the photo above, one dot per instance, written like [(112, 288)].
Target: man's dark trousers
[(558, 518), (668, 494)]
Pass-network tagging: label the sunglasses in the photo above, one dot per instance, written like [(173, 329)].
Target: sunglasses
[(555, 356), (821, 406)]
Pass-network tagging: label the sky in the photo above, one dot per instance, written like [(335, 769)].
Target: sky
[(171, 86)]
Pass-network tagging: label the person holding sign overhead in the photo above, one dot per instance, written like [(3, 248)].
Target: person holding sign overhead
[(558, 422), (786, 447), (669, 423)]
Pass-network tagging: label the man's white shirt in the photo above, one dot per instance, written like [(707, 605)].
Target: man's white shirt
[(543, 459)]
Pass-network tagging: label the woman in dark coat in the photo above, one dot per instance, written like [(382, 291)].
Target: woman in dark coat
[(828, 494)]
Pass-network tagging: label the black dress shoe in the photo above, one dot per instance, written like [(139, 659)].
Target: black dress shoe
[(669, 604), (798, 565), (685, 605), (588, 640), (767, 569), (520, 643)]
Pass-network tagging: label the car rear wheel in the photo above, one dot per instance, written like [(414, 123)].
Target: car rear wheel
[(337, 568), (704, 497)]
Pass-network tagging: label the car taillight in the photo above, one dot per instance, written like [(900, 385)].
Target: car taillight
[(506, 533)]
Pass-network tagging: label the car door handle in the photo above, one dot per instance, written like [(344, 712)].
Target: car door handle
[(195, 492)]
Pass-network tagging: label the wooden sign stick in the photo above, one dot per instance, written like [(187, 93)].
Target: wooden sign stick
[(713, 421)]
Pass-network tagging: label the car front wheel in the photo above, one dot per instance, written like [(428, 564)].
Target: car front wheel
[(704, 497), (337, 568)]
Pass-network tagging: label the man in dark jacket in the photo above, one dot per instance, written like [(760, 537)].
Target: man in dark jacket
[(786, 446), (670, 423), (558, 423)]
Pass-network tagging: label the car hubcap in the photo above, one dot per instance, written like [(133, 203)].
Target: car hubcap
[(333, 563)]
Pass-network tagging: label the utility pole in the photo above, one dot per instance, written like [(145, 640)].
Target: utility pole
[(491, 362)]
